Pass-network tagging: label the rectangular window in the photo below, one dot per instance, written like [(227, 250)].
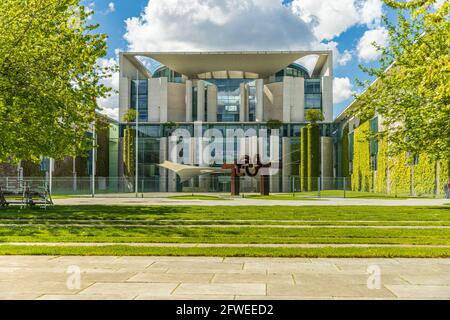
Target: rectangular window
[(313, 101), (313, 86), (139, 98)]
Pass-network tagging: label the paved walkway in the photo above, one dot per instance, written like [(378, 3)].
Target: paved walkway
[(51, 277), (152, 200)]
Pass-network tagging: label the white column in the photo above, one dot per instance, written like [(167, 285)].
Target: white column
[(154, 100), (326, 162), (259, 112), (162, 157), (212, 103), (201, 100), (286, 163), (124, 96), (163, 106), (298, 100), (327, 98), (287, 105), (188, 100), (243, 103), (172, 155)]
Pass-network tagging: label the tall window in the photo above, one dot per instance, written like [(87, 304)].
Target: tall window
[(139, 92), (313, 94)]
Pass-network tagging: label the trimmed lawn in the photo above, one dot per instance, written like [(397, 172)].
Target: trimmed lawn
[(228, 225), (370, 252)]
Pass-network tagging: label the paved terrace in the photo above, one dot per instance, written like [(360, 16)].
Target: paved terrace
[(159, 199), (46, 277)]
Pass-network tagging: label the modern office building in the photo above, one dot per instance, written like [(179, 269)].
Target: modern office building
[(222, 91)]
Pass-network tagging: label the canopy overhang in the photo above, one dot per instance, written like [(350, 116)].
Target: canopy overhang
[(262, 63), (186, 172)]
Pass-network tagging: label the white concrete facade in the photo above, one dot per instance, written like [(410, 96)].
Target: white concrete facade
[(192, 91)]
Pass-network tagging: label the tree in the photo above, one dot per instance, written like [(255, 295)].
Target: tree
[(412, 92), (130, 115), (49, 78), (314, 115)]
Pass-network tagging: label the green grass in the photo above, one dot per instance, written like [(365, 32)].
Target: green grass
[(369, 252), (140, 224), (230, 213), (196, 197)]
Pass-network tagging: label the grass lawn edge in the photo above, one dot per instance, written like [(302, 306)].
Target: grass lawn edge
[(328, 252)]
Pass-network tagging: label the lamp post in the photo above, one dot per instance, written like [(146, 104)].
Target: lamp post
[(136, 182)]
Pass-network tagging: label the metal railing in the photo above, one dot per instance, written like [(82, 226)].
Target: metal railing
[(309, 187)]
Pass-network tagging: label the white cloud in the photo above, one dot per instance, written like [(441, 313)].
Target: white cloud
[(110, 105), (342, 89), (366, 50), (195, 25), (340, 59), (111, 7), (333, 17)]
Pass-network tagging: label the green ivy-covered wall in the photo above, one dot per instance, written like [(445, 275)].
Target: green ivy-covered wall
[(403, 175), (345, 162), (361, 173), (382, 171)]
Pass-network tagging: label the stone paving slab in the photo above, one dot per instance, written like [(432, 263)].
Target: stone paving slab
[(196, 278)]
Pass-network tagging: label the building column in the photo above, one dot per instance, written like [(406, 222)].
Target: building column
[(188, 100), (163, 172), (326, 162), (243, 103), (298, 100), (163, 101), (212, 103), (124, 96), (286, 163), (327, 98), (172, 155), (259, 112), (287, 93), (201, 100)]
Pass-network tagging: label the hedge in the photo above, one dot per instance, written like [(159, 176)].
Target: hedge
[(129, 151), (304, 159), (313, 156)]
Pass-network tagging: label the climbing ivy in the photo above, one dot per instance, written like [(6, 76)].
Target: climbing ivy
[(362, 174), (129, 151)]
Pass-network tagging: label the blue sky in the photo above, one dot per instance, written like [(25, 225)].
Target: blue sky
[(348, 27)]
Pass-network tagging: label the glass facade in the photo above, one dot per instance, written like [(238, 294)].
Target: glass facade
[(313, 94), (293, 70), (172, 76), (229, 98), (139, 98)]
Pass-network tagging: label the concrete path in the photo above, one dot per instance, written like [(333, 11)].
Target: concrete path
[(122, 200), (51, 277)]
